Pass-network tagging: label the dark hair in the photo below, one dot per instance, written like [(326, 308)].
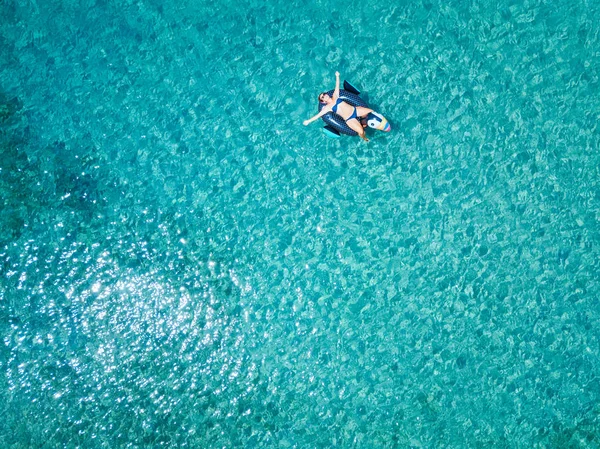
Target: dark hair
[(320, 95)]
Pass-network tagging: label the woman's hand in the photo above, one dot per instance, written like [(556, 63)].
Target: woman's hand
[(306, 122), (337, 73)]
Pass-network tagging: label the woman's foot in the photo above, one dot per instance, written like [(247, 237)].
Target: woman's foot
[(364, 137)]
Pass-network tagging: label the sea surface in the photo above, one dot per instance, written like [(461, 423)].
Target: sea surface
[(184, 265)]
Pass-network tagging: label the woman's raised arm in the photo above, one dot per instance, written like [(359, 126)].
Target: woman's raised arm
[(336, 92)]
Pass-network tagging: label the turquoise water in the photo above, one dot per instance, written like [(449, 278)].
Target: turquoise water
[(183, 264)]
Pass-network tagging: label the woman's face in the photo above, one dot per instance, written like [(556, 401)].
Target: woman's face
[(324, 98)]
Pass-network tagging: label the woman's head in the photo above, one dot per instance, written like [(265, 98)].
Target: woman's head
[(323, 97)]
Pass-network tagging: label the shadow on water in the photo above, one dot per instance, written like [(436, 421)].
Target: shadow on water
[(41, 183), (13, 135)]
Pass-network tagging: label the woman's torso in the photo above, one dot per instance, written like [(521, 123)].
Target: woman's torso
[(342, 108)]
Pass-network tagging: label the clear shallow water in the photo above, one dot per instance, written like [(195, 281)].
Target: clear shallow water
[(184, 264)]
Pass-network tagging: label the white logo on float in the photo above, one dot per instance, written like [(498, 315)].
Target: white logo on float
[(374, 120)]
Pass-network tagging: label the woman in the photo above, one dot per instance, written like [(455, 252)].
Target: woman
[(345, 110)]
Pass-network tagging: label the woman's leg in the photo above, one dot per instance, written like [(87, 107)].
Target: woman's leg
[(363, 112), (356, 126)]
